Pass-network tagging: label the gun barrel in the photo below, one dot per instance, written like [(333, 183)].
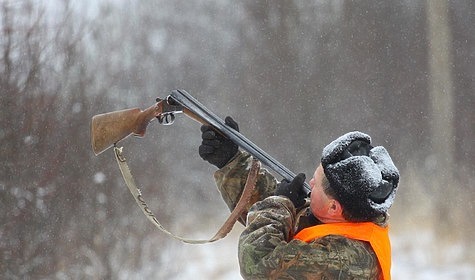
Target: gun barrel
[(187, 101)]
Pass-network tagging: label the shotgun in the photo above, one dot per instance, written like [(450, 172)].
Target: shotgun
[(109, 128)]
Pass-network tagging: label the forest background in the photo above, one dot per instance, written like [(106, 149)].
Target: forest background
[(294, 74)]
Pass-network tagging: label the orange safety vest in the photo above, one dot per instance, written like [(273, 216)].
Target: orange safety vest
[(377, 236)]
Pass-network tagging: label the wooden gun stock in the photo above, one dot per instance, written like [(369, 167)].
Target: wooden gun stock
[(109, 128)]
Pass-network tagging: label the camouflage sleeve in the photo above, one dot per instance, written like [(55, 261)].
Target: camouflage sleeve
[(267, 251), (231, 179)]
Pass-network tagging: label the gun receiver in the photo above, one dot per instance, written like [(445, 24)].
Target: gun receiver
[(109, 128)]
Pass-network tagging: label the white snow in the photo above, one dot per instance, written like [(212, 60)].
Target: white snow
[(99, 177), (417, 255)]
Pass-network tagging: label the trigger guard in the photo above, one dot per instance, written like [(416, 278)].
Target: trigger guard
[(166, 119)]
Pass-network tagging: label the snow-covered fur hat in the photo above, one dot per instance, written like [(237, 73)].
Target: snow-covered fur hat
[(364, 178)]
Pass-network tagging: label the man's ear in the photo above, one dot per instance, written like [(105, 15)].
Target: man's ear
[(335, 209)]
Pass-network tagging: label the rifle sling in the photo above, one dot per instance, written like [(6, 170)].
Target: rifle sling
[(227, 225)]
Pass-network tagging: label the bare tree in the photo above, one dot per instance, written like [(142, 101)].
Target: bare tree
[(55, 204), (442, 102)]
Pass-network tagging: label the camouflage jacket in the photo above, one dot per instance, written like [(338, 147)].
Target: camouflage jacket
[(266, 247)]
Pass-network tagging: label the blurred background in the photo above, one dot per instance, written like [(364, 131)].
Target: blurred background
[(294, 74)]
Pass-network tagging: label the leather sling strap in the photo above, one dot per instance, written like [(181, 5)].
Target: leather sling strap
[(225, 228)]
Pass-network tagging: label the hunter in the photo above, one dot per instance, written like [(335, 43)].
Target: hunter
[(339, 231)]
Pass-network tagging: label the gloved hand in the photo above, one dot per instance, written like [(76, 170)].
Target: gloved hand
[(293, 190), (216, 148)]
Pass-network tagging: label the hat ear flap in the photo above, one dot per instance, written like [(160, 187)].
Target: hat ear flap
[(389, 173), (383, 160), (382, 192)]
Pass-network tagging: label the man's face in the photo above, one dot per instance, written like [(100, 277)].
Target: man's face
[(321, 204)]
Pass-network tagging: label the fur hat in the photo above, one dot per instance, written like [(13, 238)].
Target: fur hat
[(364, 178)]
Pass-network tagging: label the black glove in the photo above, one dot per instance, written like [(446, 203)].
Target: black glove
[(293, 190), (216, 148)]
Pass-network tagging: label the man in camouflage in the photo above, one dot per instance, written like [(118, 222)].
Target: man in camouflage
[(354, 183)]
